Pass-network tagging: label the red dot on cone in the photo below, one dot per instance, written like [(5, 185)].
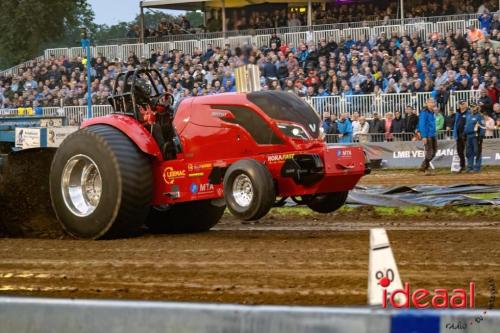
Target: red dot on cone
[(384, 282)]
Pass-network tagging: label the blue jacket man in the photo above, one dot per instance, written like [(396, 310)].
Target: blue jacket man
[(427, 123), (474, 130), (427, 129), (344, 128)]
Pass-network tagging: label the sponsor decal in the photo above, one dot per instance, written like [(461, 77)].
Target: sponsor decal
[(402, 154), (28, 138), (344, 153), (196, 174), (220, 164), (218, 114), (51, 122), (279, 157), (220, 192), (56, 135), (199, 166), (200, 189), (170, 174), (206, 188), (193, 188)]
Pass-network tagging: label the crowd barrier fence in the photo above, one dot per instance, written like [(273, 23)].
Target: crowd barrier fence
[(365, 105), (65, 315)]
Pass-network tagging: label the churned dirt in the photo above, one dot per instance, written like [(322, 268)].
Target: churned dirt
[(265, 263)]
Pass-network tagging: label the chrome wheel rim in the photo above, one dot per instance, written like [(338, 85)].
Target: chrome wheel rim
[(243, 190), (81, 185)]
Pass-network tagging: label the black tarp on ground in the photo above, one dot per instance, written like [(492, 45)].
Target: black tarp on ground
[(425, 195)]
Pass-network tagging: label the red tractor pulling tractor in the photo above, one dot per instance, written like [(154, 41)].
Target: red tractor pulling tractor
[(177, 171)]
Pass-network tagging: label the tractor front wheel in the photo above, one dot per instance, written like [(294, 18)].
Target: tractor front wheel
[(249, 190), (101, 184), (328, 202)]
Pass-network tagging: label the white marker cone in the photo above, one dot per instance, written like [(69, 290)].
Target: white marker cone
[(381, 265)]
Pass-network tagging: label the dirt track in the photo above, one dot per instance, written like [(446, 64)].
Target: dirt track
[(274, 262), (250, 264)]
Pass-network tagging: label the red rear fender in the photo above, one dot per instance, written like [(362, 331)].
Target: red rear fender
[(131, 128)]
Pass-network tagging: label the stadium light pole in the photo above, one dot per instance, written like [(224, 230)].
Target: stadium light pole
[(86, 46)]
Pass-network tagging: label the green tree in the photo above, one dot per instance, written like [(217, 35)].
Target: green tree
[(29, 26), (195, 18)]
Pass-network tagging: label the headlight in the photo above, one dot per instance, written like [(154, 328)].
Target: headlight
[(293, 131)]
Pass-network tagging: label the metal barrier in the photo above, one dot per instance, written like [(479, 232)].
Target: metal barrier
[(366, 105), (443, 135), (61, 315), (449, 26)]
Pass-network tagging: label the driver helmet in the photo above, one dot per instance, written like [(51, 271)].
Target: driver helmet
[(142, 91)]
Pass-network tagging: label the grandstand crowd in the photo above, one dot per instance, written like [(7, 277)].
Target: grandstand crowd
[(252, 18), (388, 64)]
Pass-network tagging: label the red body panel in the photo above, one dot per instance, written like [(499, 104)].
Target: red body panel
[(132, 128), (208, 141)]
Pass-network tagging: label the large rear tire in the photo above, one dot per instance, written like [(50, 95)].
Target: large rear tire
[(187, 217), (328, 202), (101, 184), (249, 190)]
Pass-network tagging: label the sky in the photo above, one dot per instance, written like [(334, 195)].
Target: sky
[(113, 11)]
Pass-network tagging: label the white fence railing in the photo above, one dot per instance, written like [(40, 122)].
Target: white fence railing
[(423, 29), (422, 26), (365, 105)]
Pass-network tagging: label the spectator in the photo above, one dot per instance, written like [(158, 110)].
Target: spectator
[(275, 40), (485, 102), (355, 123), (411, 121), (489, 124), (474, 129), (333, 131), (398, 126), (475, 35), (459, 131), (387, 126), (427, 130), (325, 124), (439, 120), (496, 112), (376, 128), (361, 135), (344, 129)]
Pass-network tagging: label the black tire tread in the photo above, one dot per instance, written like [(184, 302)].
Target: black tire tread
[(330, 203), (137, 180), (187, 217)]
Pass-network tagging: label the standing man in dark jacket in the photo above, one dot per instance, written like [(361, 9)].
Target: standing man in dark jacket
[(397, 126), (377, 128), (427, 129), (333, 131), (411, 123), (474, 130), (459, 131)]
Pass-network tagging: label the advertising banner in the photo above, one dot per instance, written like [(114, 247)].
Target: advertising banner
[(27, 138), (410, 154), (56, 135)]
